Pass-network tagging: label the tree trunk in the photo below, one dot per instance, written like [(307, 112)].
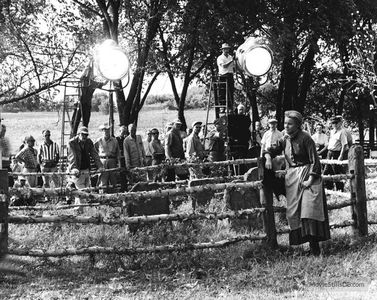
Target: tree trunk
[(133, 105), (306, 77)]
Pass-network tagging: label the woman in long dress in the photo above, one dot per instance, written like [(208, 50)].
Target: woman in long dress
[(306, 204)]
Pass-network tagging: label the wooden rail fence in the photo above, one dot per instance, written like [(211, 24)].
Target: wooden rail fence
[(357, 201)]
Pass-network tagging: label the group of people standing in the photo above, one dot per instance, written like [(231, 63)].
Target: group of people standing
[(128, 150)]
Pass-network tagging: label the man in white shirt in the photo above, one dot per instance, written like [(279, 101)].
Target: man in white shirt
[(337, 149), (225, 65), (271, 137), (194, 146)]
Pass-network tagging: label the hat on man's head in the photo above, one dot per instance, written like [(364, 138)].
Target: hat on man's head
[(177, 121), (225, 46), (336, 119), (272, 120), (104, 126), (240, 106), (83, 130), (196, 123), (154, 130), (29, 138)]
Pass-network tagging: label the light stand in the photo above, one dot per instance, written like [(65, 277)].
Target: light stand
[(253, 61)]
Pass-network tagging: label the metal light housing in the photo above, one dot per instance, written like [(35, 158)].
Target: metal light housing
[(254, 57), (112, 62)]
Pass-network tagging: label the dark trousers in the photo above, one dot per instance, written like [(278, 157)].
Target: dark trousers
[(333, 170)]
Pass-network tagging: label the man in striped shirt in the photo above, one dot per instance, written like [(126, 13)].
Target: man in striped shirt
[(48, 158)]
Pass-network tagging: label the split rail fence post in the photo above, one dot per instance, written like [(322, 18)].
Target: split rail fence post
[(3, 212), (267, 201), (358, 193)]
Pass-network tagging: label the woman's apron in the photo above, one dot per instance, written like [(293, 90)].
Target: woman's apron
[(303, 203)]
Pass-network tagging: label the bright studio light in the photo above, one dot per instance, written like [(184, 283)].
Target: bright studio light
[(112, 62), (254, 58), (258, 61)]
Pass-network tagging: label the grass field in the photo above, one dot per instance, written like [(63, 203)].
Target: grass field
[(33, 123), (347, 269)]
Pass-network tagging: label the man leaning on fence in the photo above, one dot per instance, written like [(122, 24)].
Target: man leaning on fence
[(81, 150), (133, 151), (337, 149), (48, 158)]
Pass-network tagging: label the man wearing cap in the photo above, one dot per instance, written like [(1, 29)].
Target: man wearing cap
[(81, 150), (48, 158), (22, 196), (216, 145), (271, 137), (108, 151), (241, 110), (194, 147), (337, 149), (225, 65), (29, 157), (174, 147)]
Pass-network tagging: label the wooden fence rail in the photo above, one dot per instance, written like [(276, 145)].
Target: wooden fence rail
[(357, 201), (19, 219), (132, 250)]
